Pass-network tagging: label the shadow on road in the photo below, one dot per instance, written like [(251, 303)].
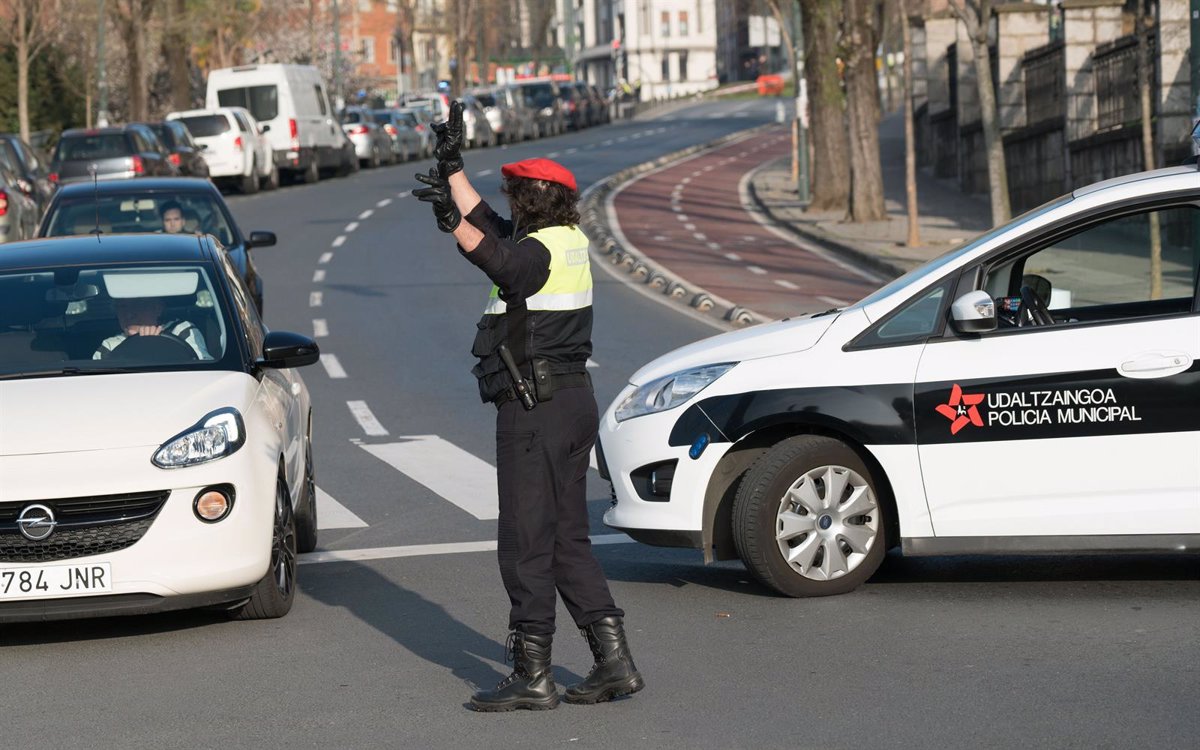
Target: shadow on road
[(415, 623), (69, 631)]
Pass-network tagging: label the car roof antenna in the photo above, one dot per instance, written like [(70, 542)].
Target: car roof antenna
[(96, 200)]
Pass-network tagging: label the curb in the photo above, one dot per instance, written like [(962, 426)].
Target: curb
[(608, 243), (823, 239)]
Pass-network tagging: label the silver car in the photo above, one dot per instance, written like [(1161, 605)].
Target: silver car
[(372, 144), (478, 130), (505, 120), (406, 142), (419, 120)]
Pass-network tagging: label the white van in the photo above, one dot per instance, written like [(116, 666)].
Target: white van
[(291, 103)]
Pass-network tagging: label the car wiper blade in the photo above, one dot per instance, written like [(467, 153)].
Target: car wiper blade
[(65, 371), (830, 311)]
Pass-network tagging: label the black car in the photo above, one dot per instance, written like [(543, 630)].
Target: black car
[(117, 152), (33, 177), (182, 151), (542, 97), (138, 206)]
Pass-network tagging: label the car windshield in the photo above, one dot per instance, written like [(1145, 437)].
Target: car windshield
[(206, 126), (486, 100), (92, 319), (350, 117), (539, 94), (93, 146), (408, 118), (165, 135), (262, 101), (383, 116), (141, 212)]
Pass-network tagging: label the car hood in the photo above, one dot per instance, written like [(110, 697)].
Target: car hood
[(96, 412), (766, 340)]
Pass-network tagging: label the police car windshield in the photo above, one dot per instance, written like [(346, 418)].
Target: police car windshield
[(936, 265), (75, 319)]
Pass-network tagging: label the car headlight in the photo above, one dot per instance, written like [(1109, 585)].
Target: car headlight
[(218, 434), (669, 392)]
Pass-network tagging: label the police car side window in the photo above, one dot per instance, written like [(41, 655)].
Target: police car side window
[(1133, 266)]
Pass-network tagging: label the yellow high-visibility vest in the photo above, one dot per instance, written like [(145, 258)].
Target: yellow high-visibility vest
[(569, 286)]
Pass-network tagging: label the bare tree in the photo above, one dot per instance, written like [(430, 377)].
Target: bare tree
[(177, 50), (976, 16), (132, 18), (910, 146), (29, 34), (827, 104), (860, 30)]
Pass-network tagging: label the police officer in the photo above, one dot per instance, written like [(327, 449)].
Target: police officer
[(537, 325)]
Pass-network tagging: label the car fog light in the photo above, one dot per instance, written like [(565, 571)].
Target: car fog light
[(213, 503)]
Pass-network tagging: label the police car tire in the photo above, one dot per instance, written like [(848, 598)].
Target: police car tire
[(756, 508), (267, 601), (306, 509)]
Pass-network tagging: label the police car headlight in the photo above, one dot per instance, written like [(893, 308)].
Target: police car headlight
[(218, 434), (669, 392)]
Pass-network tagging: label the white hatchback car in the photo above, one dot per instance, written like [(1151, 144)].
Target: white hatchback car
[(234, 145), (1034, 391), (156, 447)]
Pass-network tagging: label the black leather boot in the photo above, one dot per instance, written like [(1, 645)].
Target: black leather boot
[(531, 685), (614, 673)]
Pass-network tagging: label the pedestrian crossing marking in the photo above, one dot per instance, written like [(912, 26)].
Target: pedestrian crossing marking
[(445, 469), (333, 515)]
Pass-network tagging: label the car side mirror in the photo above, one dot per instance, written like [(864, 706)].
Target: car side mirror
[(263, 128), (260, 239), (283, 350), (202, 146), (974, 312)]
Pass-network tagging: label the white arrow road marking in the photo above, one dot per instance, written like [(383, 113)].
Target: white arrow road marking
[(366, 419), (332, 366), (422, 550), (446, 469), (333, 515)]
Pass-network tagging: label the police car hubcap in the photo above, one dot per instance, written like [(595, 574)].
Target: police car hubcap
[(827, 523)]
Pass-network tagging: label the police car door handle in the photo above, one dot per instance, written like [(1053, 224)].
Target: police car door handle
[(1156, 364)]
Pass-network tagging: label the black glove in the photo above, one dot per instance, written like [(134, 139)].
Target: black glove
[(438, 193), (450, 140)]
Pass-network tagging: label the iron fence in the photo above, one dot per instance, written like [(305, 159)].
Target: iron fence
[(1045, 83), (1118, 99)]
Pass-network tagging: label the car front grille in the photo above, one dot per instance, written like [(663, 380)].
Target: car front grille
[(85, 526)]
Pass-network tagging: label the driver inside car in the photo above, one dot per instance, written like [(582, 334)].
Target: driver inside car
[(139, 316)]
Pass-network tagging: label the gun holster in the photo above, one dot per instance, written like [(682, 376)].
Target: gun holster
[(543, 381)]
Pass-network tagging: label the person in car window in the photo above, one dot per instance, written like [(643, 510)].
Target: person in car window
[(172, 217), (140, 317)]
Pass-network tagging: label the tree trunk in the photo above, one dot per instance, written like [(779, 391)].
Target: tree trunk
[(1148, 161), (177, 49), (827, 105), (992, 142), (910, 147), (862, 89), (22, 45)]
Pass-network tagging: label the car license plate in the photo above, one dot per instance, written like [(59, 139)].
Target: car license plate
[(55, 580)]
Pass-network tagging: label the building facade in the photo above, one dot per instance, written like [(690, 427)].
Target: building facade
[(671, 46)]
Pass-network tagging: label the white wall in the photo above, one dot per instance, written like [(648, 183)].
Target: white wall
[(648, 43)]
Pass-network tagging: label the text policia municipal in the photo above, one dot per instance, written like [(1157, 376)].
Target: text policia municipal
[(1077, 406)]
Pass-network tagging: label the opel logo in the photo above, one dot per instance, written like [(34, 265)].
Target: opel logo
[(36, 522)]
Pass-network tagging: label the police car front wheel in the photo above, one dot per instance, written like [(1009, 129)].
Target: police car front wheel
[(807, 520)]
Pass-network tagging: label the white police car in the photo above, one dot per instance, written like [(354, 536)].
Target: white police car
[(1035, 391)]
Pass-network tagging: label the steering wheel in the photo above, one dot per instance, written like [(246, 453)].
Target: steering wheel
[(1038, 313), (165, 347)]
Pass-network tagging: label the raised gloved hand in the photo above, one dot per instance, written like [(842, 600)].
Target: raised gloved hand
[(450, 140), (438, 194)]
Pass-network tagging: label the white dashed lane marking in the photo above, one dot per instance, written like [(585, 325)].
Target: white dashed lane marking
[(733, 256), (366, 214), (365, 418), (484, 172), (786, 284), (714, 246), (318, 275), (756, 270), (333, 367), (833, 301), (402, 194), (325, 258), (320, 328), (351, 227), (384, 203), (339, 241), (315, 299)]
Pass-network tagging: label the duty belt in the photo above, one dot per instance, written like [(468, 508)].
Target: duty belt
[(567, 380)]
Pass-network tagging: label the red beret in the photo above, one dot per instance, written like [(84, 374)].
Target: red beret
[(540, 169)]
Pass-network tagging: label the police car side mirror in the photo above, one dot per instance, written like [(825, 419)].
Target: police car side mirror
[(974, 312)]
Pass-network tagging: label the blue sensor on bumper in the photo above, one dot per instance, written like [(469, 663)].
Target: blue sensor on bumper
[(698, 446)]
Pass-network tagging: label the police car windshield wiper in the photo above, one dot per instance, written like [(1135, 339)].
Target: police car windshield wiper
[(65, 371)]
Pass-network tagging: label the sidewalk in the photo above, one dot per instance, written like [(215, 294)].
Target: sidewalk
[(948, 217)]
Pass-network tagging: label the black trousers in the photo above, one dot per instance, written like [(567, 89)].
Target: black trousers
[(542, 535)]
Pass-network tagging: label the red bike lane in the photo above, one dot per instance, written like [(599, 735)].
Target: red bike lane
[(690, 217)]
